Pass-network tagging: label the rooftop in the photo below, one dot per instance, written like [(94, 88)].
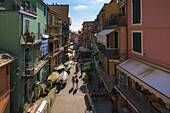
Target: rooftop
[(6, 58)]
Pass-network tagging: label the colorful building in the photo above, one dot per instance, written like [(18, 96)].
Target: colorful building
[(55, 38), (5, 60), (147, 70), (86, 32), (23, 24), (64, 11)]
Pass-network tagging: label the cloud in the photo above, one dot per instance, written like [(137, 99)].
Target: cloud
[(80, 7)]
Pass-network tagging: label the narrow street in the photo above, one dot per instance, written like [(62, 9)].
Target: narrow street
[(68, 100)]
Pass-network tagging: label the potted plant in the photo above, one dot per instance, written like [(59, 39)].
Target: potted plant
[(24, 107), (37, 90)]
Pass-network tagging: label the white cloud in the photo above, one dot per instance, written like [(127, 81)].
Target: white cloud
[(80, 7)]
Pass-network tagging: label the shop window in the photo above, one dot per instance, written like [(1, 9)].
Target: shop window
[(138, 87)]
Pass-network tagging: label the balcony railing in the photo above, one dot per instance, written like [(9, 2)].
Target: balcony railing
[(136, 100), (31, 39), (24, 6), (116, 19), (55, 24), (111, 54), (31, 72)]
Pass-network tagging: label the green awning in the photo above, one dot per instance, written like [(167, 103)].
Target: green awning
[(61, 66), (68, 62)]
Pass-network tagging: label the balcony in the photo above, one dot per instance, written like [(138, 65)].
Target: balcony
[(25, 6), (31, 39), (55, 52), (31, 72), (133, 98), (57, 24), (115, 20), (111, 54), (53, 36)]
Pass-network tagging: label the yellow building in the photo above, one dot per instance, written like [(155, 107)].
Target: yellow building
[(63, 10), (55, 38)]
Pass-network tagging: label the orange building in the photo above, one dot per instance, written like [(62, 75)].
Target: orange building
[(5, 60), (85, 31), (63, 10)]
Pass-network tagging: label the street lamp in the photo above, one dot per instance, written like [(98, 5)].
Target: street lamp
[(18, 71)]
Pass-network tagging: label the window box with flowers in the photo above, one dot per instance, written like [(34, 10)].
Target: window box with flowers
[(29, 37)]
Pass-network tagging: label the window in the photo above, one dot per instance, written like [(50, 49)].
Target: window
[(50, 19), (116, 40), (138, 87), (137, 42), (108, 44), (45, 11), (27, 25), (51, 47), (108, 66), (56, 19), (136, 11), (39, 30)]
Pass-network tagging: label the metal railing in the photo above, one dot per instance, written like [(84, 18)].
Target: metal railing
[(115, 19), (90, 100)]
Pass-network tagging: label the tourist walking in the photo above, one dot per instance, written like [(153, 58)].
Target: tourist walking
[(73, 81), (77, 81), (99, 86), (77, 69)]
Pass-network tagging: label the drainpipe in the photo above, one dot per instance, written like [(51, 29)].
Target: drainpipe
[(127, 28)]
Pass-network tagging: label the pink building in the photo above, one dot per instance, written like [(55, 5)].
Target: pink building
[(147, 70)]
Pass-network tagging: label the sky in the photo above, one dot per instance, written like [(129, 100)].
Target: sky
[(81, 10)]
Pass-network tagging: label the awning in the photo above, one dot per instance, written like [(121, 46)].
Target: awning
[(153, 79), (61, 66), (68, 62), (101, 37)]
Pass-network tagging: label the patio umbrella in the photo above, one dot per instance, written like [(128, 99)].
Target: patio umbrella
[(68, 62), (61, 66), (53, 77), (63, 76)]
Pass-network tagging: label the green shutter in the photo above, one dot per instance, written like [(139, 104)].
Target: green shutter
[(137, 42), (136, 11)]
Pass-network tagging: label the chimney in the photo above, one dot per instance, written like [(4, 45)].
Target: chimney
[(55, 3)]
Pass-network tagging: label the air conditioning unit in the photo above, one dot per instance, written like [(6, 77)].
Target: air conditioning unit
[(29, 71)]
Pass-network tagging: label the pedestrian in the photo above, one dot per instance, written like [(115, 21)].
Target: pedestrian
[(81, 68), (99, 86), (89, 110), (73, 80), (77, 81), (94, 94), (76, 69)]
